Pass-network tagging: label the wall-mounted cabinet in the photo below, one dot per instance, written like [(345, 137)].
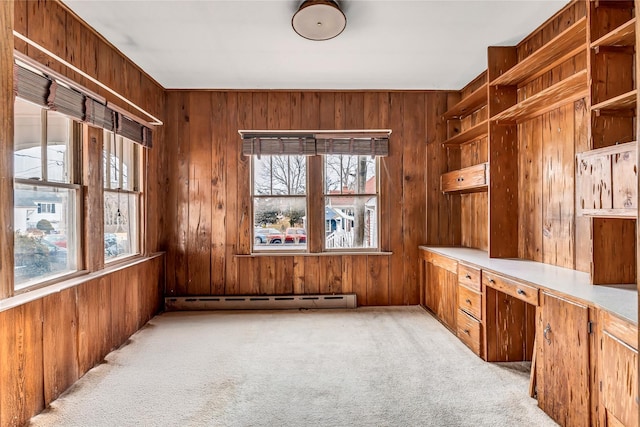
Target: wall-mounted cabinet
[(472, 178), (606, 181)]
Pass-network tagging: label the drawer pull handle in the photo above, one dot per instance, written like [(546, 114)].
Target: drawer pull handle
[(521, 292), (466, 331), (467, 276), (545, 333), (468, 301), (492, 281)]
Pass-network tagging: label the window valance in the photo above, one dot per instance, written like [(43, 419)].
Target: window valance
[(308, 143), (48, 91)]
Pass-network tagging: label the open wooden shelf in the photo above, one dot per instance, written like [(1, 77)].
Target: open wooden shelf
[(626, 101), (471, 134), (469, 104), (624, 35), (563, 92), (562, 47)]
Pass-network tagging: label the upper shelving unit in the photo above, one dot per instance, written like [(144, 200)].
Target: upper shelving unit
[(469, 104), (624, 35), (626, 101), (562, 47), (567, 90), (471, 134)]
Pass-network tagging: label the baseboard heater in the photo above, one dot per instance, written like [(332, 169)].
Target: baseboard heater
[(259, 302)]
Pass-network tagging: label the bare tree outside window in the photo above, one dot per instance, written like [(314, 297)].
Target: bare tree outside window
[(279, 202)]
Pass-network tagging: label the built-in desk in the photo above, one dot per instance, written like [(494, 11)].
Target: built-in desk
[(621, 300), (583, 338)]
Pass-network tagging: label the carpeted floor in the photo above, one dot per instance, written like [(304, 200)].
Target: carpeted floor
[(393, 366)]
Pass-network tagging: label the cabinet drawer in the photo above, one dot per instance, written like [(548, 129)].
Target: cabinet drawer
[(471, 178), (470, 301), (469, 276), (469, 331), (521, 291)]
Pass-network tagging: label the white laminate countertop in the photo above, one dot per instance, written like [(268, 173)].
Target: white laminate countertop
[(621, 300)]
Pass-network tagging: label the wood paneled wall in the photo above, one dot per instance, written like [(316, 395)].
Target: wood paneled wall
[(49, 343), (550, 232), (53, 26), (209, 200), (46, 344)]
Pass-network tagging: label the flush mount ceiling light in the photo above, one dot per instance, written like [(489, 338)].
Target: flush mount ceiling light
[(319, 20)]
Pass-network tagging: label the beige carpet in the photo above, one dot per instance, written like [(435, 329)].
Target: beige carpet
[(367, 367)]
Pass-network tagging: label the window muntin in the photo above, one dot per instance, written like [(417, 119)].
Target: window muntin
[(46, 239), (351, 215), (279, 203), (122, 197)]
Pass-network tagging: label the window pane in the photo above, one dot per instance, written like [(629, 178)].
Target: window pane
[(58, 141), (351, 222), (120, 224), (279, 223), (45, 233), (128, 165), (350, 174), (280, 175), (28, 140)]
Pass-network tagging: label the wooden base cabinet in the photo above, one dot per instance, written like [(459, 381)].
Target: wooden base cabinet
[(441, 287), (563, 361), (618, 373)]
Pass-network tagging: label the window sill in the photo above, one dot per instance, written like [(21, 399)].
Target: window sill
[(306, 254), (75, 279)]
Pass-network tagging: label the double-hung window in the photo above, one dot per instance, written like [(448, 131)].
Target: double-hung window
[(46, 194), (283, 189), (351, 202), (122, 197)]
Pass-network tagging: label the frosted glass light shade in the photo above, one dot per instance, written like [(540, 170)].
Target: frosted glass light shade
[(319, 20)]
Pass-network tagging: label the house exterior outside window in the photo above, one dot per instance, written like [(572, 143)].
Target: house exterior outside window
[(46, 195)]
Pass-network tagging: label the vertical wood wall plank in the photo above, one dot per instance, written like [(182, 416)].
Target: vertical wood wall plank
[(94, 322), (231, 145), (59, 343), (245, 220), (583, 224), (393, 199), (219, 140), (530, 190), (6, 149), (199, 200), (559, 190), (21, 376), (19, 13), (414, 190), (93, 198), (312, 274)]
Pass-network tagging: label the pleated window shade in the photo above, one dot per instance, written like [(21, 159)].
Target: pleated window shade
[(129, 129), (274, 146), (361, 144), (354, 146), (47, 92), (98, 114), (31, 86), (66, 101)]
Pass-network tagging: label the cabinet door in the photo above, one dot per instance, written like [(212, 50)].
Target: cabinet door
[(618, 367), (563, 361), (441, 293)]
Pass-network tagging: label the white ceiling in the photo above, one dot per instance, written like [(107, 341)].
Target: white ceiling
[(242, 44)]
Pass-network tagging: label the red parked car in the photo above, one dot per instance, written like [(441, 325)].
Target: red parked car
[(295, 235)]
